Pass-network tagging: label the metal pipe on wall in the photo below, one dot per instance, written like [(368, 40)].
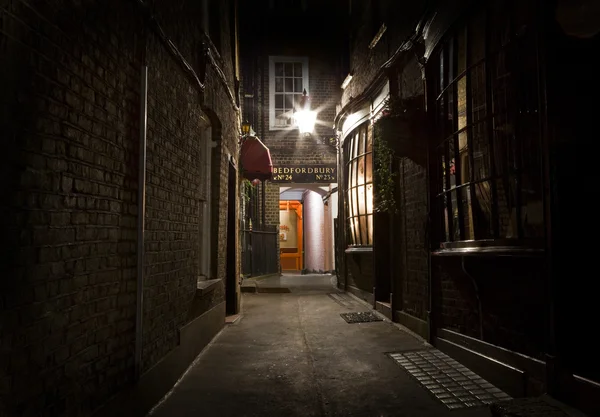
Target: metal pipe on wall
[(141, 221)]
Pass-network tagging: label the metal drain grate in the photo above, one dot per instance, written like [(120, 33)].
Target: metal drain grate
[(449, 381), (360, 317), (343, 299)]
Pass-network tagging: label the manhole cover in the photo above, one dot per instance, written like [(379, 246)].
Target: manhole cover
[(450, 382), (360, 317)]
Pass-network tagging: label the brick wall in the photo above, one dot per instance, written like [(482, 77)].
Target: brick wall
[(69, 113), (412, 193), (70, 125), (502, 284)]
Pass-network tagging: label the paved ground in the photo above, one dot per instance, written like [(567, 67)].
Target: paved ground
[(293, 355)]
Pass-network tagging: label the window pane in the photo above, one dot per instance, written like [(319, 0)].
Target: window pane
[(461, 98), (370, 225), (481, 153), (453, 216), (461, 51), (507, 210), (369, 198), (370, 139), (443, 168), (356, 227), (465, 198), (289, 69), (289, 102), (297, 69), (369, 168), (279, 69), (361, 170), (298, 85), (278, 101), (452, 170), (449, 118), (477, 39), (289, 85), (278, 84), (363, 230), (465, 171), (361, 141), (362, 209), (477, 95), (443, 201), (482, 210)]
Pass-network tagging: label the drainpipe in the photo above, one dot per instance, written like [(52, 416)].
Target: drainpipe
[(140, 223)]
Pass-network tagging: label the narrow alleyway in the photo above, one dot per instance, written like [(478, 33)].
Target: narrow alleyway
[(292, 354)]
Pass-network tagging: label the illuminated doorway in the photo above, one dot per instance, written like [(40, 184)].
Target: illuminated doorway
[(291, 236)]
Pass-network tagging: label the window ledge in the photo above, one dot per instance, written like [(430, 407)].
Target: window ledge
[(206, 286), (490, 251), (360, 249)]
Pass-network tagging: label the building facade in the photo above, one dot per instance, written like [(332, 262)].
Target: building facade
[(461, 234), (297, 52), (120, 122)]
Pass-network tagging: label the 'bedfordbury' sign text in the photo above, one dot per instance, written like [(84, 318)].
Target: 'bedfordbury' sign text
[(305, 173)]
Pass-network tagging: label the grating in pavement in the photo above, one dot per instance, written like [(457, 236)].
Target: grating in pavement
[(360, 317), (343, 299), (449, 381)]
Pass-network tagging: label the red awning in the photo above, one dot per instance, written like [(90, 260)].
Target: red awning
[(255, 159)]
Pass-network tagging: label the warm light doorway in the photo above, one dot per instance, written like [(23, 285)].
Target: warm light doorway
[(290, 236)]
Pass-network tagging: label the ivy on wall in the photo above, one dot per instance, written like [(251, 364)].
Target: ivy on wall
[(385, 178)]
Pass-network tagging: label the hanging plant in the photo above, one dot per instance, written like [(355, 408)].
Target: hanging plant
[(403, 126), (385, 178)]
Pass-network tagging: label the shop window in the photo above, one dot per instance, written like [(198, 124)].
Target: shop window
[(488, 179), (358, 152), (288, 77)]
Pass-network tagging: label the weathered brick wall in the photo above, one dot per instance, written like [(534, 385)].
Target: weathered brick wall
[(69, 122), (414, 280), (175, 186), (365, 62), (70, 125), (412, 182), (360, 271), (176, 177), (502, 284)]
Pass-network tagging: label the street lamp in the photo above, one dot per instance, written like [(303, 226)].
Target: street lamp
[(245, 128), (304, 116)]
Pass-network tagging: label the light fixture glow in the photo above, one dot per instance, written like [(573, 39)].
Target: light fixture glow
[(305, 120)]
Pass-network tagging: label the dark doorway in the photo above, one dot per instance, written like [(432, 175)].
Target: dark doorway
[(231, 296)]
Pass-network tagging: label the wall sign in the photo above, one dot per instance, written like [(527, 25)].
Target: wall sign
[(305, 174)]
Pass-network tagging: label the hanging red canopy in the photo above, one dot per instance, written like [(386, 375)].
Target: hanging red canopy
[(256, 159)]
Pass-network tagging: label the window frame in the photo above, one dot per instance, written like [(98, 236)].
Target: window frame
[(274, 59), (444, 83), (352, 157)]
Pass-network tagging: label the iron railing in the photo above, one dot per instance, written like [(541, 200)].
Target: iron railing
[(259, 251)]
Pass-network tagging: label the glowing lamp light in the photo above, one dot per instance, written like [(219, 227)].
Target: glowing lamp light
[(304, 116), (245, 128)]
